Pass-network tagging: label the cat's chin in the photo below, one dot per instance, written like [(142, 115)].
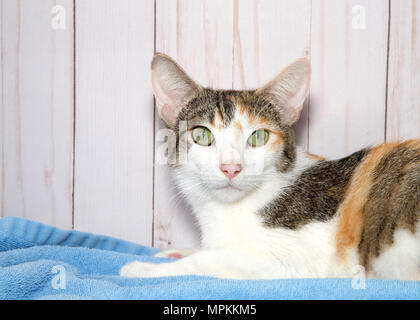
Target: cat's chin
[(229, 187), (229, 193)]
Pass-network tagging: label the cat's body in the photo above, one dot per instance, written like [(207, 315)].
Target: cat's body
[(270, 210)]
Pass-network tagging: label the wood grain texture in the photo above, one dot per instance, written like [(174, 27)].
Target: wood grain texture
[(403, 116), (347, 101), (198, 34), (114, 118), (2, 114), (268, 35), (36, 112)]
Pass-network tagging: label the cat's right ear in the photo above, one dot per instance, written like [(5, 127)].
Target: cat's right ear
[(289, 89), (172, 87)]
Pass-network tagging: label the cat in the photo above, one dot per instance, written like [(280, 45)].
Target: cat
[(266, 208)]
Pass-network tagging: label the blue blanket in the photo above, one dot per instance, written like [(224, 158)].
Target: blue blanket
[(42, 262)]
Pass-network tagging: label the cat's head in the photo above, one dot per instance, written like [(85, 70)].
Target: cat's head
[(229, 142)]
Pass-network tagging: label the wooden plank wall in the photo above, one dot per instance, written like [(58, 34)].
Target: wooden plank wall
[(114, 118), (80, 139), (348, 90), (403, 112), (36, 112)]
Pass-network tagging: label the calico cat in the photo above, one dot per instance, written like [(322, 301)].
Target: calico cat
[(266, 208)]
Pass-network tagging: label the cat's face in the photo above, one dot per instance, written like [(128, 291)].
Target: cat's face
[(234, 143), (229, 142)]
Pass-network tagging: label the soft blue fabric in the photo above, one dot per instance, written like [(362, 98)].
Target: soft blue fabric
[(30, 252)]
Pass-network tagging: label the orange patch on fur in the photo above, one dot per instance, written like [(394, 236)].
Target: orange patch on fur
[(238, 124), (243, 110), (251, 119), (240, 105), (278, 139), (218, 120), (350, 212), (314, 156), (260, 121)]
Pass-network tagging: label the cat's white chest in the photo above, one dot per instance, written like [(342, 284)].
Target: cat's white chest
[(230, 226), (309, 251)]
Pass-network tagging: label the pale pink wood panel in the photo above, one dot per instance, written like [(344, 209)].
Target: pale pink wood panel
[(2, 115), (114, 118), (198, 34), (268, 35), (37, 112), (347, 101), (403, 116)]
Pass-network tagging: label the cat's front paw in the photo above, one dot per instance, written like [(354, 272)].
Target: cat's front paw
[(175, 253), (138, 269)]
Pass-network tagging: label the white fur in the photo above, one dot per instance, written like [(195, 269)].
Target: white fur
[(401, 260)]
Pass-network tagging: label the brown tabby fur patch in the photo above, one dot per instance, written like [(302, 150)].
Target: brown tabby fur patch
[(384, 195), (315, 195)]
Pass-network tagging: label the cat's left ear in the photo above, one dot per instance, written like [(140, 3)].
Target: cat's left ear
[(288, 90)]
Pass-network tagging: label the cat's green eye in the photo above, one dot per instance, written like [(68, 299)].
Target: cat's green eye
[(258, 138), (202, 136)]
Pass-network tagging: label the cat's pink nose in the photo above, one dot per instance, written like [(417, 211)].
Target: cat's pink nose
[(231, 170)]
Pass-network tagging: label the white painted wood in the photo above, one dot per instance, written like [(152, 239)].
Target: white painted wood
[(37, 112), (198, 34), (2, 115), (268, 35), (347, 101), (403, 116), (114, 118)]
